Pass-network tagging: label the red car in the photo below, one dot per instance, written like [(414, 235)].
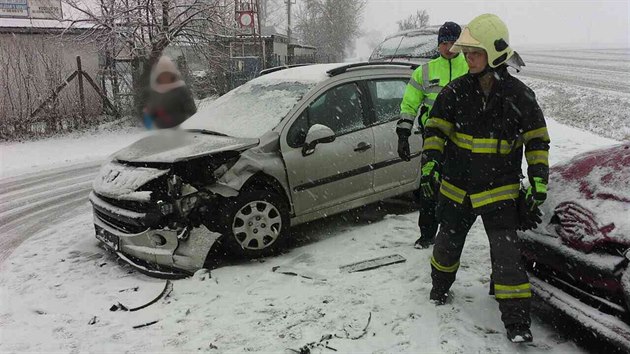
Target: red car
[(578, 256)]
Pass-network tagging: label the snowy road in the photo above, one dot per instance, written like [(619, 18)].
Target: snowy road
[(57, 287), (603, 69), (587, 89), (31, 203)]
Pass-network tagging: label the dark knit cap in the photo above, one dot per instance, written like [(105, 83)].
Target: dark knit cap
[(449, 32)]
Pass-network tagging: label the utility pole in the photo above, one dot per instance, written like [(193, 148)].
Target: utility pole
[(289, 20), (289, 56)]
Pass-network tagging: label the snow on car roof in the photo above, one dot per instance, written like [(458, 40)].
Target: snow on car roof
[(257, 106), (307, 74), (416, 31)]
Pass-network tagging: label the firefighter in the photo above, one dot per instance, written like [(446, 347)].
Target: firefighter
[(426, 82), (475, 136)]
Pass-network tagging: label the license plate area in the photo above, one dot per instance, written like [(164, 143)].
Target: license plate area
[(109, 239)]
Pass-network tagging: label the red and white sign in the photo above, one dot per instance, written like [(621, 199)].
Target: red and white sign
[(246, 19)]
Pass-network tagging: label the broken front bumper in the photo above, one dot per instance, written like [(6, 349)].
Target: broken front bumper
[(164, 253), (612, 328)]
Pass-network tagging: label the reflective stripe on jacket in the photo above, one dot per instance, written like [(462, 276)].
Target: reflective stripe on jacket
[(425, 84), (487, 136)]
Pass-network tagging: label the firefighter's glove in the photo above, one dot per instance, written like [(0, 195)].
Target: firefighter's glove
[(529, 215), (537, 192), (430, 179), (403, 144)]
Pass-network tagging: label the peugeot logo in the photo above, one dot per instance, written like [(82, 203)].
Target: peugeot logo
[(111, 176)]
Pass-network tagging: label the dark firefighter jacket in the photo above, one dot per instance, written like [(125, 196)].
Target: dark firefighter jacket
[(486, 136)]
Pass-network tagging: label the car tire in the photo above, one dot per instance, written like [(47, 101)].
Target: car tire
[(255, 223)]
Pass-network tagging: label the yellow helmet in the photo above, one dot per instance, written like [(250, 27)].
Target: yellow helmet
[(489, 33)]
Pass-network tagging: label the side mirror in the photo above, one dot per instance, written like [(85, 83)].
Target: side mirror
[(317, 134)]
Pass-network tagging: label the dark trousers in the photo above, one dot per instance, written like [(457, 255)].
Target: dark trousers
[(511, 284), (427, 220)]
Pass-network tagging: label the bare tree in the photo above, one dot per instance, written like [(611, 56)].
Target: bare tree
[(330, 25), (33, 67), (418, 20), (142, 29)]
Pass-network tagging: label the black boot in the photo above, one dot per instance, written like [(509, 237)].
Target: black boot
[(438, 297), (423, 242), (519, 333)]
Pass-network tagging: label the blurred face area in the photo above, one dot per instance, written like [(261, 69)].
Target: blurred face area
[(166, 78), (477, 59), (445, 50)]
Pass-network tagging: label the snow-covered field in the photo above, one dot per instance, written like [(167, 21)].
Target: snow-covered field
[(588, 88), (57, 287)]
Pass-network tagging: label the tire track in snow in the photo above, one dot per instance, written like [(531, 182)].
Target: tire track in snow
[(552, 73), (10, 239), (23, 197), (23, 182), (33, 202), (585, 70)]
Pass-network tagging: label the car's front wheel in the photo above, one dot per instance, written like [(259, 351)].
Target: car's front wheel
[(256, 223)]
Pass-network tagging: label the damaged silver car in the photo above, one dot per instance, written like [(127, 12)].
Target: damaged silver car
[(291, 146)]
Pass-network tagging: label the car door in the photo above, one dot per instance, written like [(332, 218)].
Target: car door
[(337, 171), (385, 96)]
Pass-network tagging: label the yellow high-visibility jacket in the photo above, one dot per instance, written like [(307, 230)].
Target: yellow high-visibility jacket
[(425, 84)]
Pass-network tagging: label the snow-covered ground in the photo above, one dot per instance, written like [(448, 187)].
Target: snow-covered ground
[(57, 287), (587, 88), (56, 282), (33, 156)]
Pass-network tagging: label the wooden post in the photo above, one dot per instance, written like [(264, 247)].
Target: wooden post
[(81, 91), (100, 93), (54, 94)]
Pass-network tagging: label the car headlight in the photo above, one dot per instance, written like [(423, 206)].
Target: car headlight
[(189, 202), (221, 170)]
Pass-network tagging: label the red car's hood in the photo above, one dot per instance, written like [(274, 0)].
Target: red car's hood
[(588, 203)]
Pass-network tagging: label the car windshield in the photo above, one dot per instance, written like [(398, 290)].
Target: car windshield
[(418, 46), (250, 110)]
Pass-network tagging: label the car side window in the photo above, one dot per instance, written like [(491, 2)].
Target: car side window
[(386, 97), (338, 108)]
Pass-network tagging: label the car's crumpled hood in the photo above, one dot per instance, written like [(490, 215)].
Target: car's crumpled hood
[(174, 146)]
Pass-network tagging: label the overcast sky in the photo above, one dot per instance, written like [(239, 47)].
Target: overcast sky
[(530, 22)]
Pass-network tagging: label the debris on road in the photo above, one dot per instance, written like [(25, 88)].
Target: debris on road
[(322, 343), (373, 263), (202, 274), (146, 324), (297, 272), (363, 333), (168, 287), (135, 288), (117, 307)]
